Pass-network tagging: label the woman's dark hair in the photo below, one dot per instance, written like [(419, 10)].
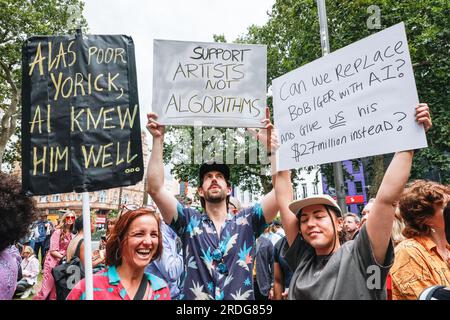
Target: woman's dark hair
[(17, 211), (417, 206), (78, 226), (117, 238)]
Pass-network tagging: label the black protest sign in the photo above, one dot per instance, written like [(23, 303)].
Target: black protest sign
[(80, 120)]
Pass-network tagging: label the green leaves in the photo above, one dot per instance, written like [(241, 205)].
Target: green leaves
[(292, 37), (19, 20)]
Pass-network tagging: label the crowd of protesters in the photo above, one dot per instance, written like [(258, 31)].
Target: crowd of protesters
[(223, 251)]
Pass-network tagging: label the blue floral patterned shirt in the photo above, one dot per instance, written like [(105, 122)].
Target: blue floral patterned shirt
[(219, 268)]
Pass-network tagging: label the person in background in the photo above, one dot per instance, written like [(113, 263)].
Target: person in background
[(423, 260), (340, 230), (281, 273), (438, 292), (43, 228), (30, 271), (110, 223), (234, 205), (50, 228), (110, 226), (397, 228), (17, 213), (263, 268), (366, 210), (397, 237), (58, 246), (135, 241), (278, 228), (351, 226), (170, 265), (188, 202), (78, 228), (271, 234)]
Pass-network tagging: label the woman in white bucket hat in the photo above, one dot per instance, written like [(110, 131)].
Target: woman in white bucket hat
[(323, 269)]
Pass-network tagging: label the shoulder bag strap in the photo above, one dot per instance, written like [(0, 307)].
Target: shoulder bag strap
[(141, 290)]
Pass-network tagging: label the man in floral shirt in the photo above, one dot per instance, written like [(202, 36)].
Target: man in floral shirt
[(218, 247)]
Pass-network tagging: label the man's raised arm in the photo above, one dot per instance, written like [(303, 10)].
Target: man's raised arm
[(268, 138), (165, 201)]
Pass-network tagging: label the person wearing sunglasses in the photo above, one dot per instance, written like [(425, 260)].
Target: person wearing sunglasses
[(134, 242), (59, 242)]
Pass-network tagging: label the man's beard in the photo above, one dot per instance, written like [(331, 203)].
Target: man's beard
[(215, 198)]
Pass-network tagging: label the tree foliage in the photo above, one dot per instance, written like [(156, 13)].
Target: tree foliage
[(292, 39), (20, 19), (187, 148)]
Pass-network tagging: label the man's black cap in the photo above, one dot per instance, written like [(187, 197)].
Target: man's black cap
[(213, 166)]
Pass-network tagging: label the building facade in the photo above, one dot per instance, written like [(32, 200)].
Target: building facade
[(355, 186)]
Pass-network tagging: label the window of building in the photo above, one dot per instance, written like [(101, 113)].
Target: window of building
[(72, 196), (79, 197), (125, 199), (304, 190), (355, 165), (43, 199), (358, 187), (102, 196), (56, 198), (250, 195)]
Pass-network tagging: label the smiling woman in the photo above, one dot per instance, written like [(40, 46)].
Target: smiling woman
[(134, 242)]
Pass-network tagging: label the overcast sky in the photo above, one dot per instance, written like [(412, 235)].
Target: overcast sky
[(189, 20)]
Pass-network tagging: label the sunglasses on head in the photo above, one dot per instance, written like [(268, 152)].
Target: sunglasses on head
[(131, 207)]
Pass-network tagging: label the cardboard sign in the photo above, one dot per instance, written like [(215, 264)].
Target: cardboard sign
[(80, 119), (356, 102), (209, 84)]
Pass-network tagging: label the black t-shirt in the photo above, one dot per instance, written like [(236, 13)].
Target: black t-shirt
[(282, 262)]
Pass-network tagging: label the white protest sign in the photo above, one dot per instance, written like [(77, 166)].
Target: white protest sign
[(356, 102), (209, 84)]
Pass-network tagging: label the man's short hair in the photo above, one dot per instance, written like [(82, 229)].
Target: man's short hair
[(351, 214)]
